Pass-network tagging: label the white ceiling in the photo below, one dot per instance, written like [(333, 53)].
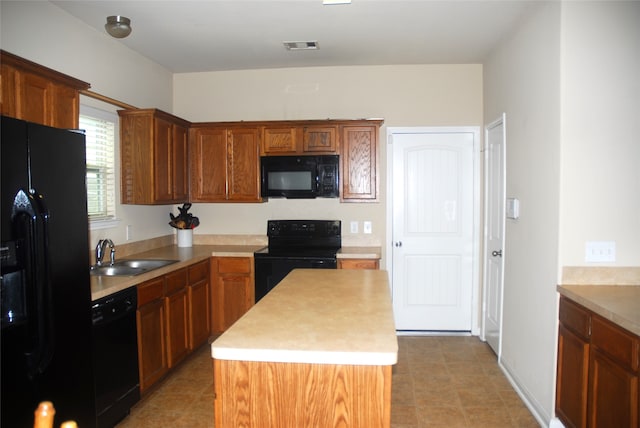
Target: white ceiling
[(192, 36)]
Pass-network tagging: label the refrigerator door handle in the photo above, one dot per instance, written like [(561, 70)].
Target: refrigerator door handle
[(30, 219)]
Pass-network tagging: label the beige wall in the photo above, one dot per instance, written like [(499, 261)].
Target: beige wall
[(43, 33), (522, 79), (421, 95), (600, 141)]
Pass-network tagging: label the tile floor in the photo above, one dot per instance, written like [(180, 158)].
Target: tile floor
[(439, 381)]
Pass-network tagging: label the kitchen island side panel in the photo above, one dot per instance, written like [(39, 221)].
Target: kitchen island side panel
[(270, 394)]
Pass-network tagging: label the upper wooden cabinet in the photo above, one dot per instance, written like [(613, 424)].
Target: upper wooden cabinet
[(153, 154), (297, 138), (31, 92), (224, 163), (359, 163)]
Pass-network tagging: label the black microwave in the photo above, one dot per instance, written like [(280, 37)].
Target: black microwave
[(297, 177)]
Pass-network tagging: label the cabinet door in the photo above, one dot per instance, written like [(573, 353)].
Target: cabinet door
[(199, 304), (243, 173), (34, 95), (359, 162), (279, 140), (151, 345), (208, 164), (162, 159), (233, 290), (572, 380), (177, 316), (180, 172), (613, 393), (319, 139), (177, 325)]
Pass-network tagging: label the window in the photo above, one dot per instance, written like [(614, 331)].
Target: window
[(100, 131)]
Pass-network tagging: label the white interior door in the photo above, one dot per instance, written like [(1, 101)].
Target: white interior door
[(494, 232), (433, 230)]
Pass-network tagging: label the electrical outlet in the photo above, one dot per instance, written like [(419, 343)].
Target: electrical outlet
[(354, 227), (366, 227), (129, 232), (600, 251)]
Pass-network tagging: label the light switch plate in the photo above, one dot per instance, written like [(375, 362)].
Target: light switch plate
[(366, 227), (354, 227)]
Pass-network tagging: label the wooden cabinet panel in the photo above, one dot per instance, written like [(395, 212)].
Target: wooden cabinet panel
[(243, 172), (359, 163), (233, 290), (279, 140), (358, 264), (572, 379), (153, 157), (177, 311), (224, 164), (199, 304), (151, 343), (613, 393), (598, 370), (39, 94), (320, 139)]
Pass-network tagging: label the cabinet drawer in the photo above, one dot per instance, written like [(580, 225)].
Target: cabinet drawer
[(176, 280), (198, 272), (234, 265), (358, 264), (150, 291), (615, 342), (575, 318)]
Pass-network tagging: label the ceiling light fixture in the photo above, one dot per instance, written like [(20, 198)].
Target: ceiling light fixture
[(118, 26), (301, 46)]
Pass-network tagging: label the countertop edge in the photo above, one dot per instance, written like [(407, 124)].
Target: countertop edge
[(598, 306), (306, 357)]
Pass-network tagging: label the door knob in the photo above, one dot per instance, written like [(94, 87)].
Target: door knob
[(497, 253), (399, 244)]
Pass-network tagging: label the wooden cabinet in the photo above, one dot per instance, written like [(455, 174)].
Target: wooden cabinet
[(224, 163), (31, 92), (233, 294), (359, 163), (199, 304), (173, 319), (299, 139), (358, 264), (598, 370), (153, 157), (177, 316), (152, 358)]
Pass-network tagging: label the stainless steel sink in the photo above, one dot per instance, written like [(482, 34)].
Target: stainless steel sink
[(129, 267)]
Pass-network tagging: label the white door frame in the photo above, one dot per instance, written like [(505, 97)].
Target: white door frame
[(475, 292)]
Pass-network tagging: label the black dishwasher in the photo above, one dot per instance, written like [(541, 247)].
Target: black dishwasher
[(115, 356)]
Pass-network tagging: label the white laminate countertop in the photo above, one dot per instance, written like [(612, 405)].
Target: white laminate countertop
[(317, 316)]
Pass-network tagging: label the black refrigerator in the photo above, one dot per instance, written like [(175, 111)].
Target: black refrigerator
[(45, 289)]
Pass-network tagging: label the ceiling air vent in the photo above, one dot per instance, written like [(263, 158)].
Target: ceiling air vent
[(301, 46)]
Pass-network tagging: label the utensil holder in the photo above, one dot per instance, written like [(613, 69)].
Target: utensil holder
[(185, 237)]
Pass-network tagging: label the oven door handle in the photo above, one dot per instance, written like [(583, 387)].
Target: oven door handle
[(318, 263)]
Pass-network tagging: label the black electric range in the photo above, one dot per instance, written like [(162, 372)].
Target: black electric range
[(295, 244)]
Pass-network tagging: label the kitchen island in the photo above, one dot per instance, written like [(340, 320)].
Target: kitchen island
[(316, 351)]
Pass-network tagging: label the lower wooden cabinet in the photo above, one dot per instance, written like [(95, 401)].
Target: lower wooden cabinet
[(199, 304), (358, 264), (232, 280), (173, 319), (150, 316), (598, 371)]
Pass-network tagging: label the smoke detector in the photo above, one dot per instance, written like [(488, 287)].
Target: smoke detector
[(302, 46)]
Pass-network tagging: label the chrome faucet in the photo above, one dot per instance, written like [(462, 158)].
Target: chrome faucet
[(102, 244)]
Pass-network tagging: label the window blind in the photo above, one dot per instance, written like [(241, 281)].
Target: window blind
[(100, 142)]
